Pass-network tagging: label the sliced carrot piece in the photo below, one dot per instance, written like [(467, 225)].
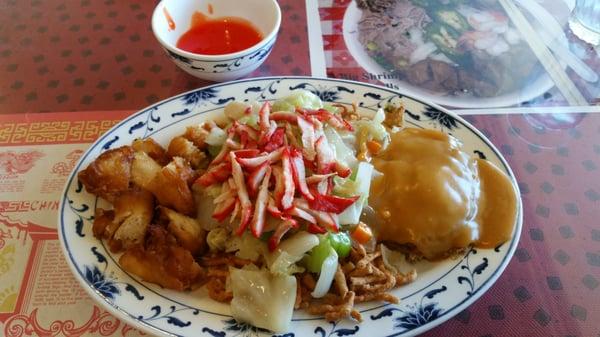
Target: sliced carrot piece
[(374, 146), (362, 233)]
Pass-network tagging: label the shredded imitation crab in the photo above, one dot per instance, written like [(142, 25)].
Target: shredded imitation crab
[(267, 171)]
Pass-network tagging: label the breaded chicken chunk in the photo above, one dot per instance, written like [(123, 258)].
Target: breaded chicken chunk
[(161, 260), (171, 186), (109, 174), (152, 149), (134, 211), (181, 147), (144, 169), (126, 224), (188, 231)]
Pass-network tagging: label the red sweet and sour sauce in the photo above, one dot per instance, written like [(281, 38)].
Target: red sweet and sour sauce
[(218, 36)]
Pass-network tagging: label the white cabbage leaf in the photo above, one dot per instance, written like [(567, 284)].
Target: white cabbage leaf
[(359, 185), (246, 247), (343, 153), (283, 259), (298, 99), (263, 299)]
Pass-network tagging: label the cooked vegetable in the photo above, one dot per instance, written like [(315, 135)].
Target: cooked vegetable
[(374, 146), (326, 274), (263, 299), (216, 137), (343, 153), (341, 243), (359, 186), (217, 239), (452, 18), (362, 233), (291, 251), (298, 99), (246, 247), (314, 259)]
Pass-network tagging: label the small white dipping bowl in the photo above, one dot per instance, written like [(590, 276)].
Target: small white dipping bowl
[(265, 15)]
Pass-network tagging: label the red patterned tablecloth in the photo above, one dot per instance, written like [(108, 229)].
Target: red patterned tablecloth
[(78, 55)]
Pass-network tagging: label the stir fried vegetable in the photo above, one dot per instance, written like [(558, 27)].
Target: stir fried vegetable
[(339, 242), (282, 179), (314, 259), (283, 168), (298, 99)]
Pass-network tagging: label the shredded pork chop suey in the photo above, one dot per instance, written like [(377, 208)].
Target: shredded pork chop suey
[(266, 200), (275, 185)]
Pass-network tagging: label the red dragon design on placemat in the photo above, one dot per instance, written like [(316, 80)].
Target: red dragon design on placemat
[(63, 168), (12, 162)]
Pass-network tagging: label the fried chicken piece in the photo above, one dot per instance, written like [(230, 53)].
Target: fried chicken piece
[(181, 147), (218, 291), (102, 220), (394, 115), (126, 224), (188, 231), (144, 169), (109, 174), (171, 186), (152, 149), (197, 134), (133, 211), (162, 261)]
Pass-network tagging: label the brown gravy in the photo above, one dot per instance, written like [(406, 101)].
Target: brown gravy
[(438, 198)]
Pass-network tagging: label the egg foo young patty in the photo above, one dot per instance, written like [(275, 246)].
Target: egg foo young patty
[(438, 199)]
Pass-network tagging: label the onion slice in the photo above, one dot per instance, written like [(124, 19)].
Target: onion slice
[(327, 274)]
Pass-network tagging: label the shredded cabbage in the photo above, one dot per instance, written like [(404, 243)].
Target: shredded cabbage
[(251, 120), (246, 247), (217, 239), (216, 136), (298, 99), (235, 110), (343, 153), (282, 105), (360, 185), (369, 130)]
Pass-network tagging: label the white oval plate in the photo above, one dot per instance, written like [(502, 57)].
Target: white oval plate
[(441, 290)]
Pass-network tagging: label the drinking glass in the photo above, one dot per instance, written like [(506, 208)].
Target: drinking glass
[(585, 20)]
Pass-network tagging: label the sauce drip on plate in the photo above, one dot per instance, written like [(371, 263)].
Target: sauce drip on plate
[(437, 198), (218, 36)]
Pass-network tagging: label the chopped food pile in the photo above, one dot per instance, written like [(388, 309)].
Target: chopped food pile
[(296, 204), (267, 199)]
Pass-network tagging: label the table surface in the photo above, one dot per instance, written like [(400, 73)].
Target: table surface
[(70, 69)]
